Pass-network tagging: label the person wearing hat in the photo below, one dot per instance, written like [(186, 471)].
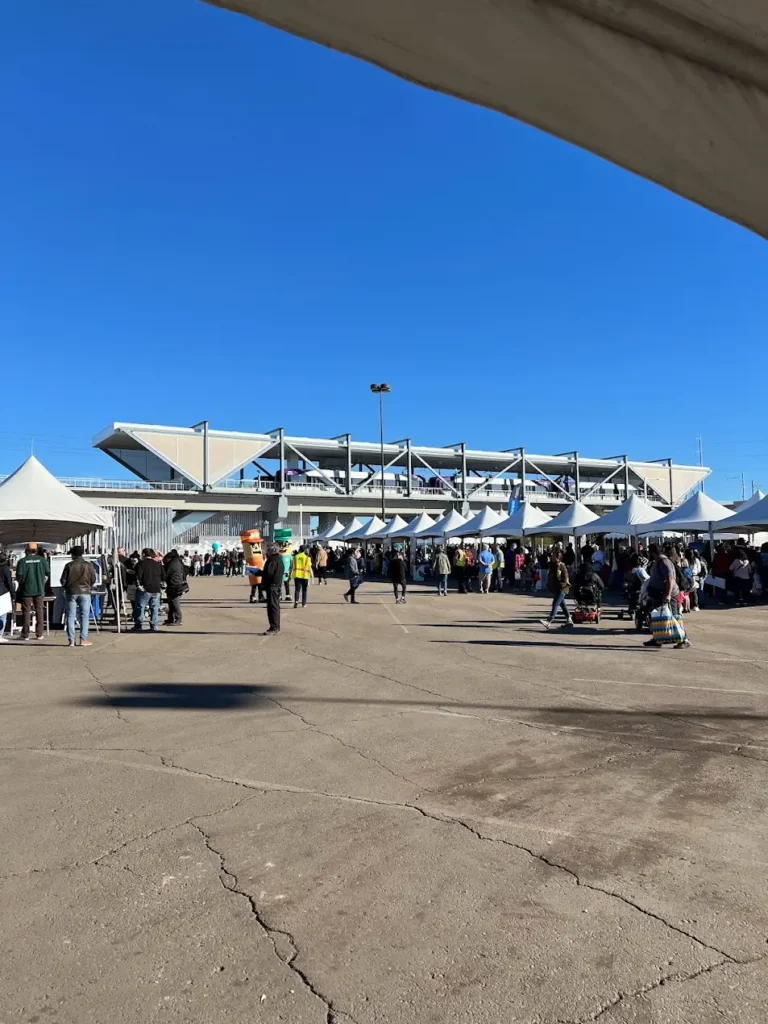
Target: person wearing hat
[(31, 573), (272, 581)]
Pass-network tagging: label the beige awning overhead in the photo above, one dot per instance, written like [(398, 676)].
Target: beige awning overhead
[(669, 488), (675, 90)]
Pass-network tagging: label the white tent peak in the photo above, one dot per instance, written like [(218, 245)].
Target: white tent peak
[(577, 514), (352, 527), (368, 531), (485, 519), (751, 518), (751, 500), (394, 525), (34, 505), (624, 520), (451, 520), (331, 533), (422, 524), (526, 519), (695, 515)]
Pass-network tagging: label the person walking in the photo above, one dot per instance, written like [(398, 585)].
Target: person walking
[(353, 575), (272, 582), (663, 592), (175, 586), (398, 574), (150, 577), (6, 595), (78, 578), (321, 566), (558, 583), (441, 567), (32, 571), (485, 563), (301, 571), (498, 567)]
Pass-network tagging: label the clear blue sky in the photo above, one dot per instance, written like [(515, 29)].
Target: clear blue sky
[(202, 217)]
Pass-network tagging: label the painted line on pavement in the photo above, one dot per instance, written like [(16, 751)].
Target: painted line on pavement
[(394, 617)]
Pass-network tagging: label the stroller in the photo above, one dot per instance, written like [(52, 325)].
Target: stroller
[(633, 585), (587, 604), (644, 607)]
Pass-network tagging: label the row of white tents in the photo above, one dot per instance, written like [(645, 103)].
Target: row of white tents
[(635, 517)]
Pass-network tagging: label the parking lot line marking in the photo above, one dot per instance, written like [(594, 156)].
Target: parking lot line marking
[(392, 614)]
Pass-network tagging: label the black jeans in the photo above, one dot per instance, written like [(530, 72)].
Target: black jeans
[(401, 586), (300, 590), (273, 607), (174, 607), (320, 573), (354, 583)]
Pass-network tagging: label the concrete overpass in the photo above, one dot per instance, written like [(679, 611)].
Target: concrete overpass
[(674, 90)]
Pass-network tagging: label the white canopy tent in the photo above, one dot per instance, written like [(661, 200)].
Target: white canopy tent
[(421, 525), (624, 521), (565, 524), (350, 528), (474, 527), (393, 526), (749, 518), (332, 533), (751, 500), (451, 520), (696, 515), (34, 505), (373, 527), (526, 520)]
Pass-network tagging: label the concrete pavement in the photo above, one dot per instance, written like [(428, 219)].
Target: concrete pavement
[(434, 812)]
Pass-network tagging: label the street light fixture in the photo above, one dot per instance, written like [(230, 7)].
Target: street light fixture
[(381, 389)]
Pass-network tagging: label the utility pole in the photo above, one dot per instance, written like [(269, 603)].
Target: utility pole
[(700, 447), (381, 390)]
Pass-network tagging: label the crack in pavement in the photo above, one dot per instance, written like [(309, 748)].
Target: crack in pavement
[(368, 672), (229, 881), (267, 787), (97, 862), (115, 707), (349, 746), (664, 979)]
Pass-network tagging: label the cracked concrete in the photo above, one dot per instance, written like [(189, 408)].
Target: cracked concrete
[(389, 832)]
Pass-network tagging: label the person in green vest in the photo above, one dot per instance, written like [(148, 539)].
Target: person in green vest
[(32, 572)]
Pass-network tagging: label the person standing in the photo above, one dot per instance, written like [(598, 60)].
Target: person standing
[(78, 578), (150, 576), (441, 567), (301, 571), (485, 563), (398, 575), (6, 595), (272, 582), (175, 586), (663, 590), (558, 583), (31, 574), (287, 558), (741, 574), (460, 567), (353, 575), (498, 569), (321, 566)]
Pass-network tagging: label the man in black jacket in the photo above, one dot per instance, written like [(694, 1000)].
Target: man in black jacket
[(272, 581), (175, 586), (78, 578), (150, 576)]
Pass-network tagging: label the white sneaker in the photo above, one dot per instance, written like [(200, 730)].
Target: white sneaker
[(545, 623), (3, 640)]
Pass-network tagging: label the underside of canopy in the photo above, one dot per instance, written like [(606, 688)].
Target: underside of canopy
[(674, 90)]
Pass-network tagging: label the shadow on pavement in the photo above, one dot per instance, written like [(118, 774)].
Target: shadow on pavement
[(183, 697), (549, 643)]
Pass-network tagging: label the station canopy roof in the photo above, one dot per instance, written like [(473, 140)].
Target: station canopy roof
[(673, 90), (158, 453), (624, 521), (34, 505)]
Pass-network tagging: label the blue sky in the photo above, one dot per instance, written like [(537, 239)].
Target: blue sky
[(202, 217)]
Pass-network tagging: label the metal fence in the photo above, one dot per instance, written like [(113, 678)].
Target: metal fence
[(139, 528)]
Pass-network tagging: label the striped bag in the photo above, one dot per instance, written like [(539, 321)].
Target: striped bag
[(665, 627)]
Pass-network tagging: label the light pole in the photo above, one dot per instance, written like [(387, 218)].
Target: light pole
[(381, 389)]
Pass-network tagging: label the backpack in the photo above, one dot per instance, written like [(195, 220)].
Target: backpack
[(684, 579)]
